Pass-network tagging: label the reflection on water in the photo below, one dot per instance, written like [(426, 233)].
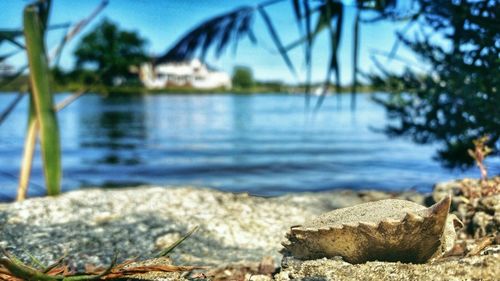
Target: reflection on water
[(262, 144), (115, 127)]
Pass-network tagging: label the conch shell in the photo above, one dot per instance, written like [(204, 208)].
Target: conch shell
[(385, 230)]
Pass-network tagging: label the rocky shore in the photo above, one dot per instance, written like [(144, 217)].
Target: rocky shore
[(239, 235)]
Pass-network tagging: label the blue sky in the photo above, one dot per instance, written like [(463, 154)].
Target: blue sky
[(163, 22)]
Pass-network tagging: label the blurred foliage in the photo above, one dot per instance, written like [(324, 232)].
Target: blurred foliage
[(243, 77), (273, 86), (457, 100), (111, 52)]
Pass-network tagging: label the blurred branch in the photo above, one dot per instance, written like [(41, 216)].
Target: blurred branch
[(76, 29), (63, 104), (11, 107)]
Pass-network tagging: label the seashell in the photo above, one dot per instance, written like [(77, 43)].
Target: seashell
[(385, 230)]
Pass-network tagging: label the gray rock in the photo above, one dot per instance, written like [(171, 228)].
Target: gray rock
[(91, 224), (473, 268)]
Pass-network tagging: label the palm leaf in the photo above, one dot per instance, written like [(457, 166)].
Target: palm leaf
[(276, 40), (244, 29), (10, 36), (308, 51), (297, 11), (42, 97), (43, 7), (217, 32), (331, 11), (302, 12), (355, 60)]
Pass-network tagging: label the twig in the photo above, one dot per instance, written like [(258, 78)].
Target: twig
[(480, 246), (176, 243), (11, 107)]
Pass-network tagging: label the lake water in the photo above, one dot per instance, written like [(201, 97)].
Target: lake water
[(261, 144)]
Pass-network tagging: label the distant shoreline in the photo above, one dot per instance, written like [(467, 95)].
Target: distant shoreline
[(187, 91), (260, 87)]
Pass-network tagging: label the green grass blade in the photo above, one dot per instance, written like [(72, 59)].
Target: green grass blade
[(43, 100), (169, 249)]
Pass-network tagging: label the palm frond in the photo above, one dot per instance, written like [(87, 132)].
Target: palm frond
[(276, 40), (222, 30), (297, 11), (308, 51), (217, 32), (10, 35), (330, 12), (355, 60)]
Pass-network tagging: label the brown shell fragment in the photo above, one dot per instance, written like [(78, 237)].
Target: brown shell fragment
[(386, 230)]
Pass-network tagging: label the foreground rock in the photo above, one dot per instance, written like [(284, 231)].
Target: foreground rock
[(91, 224), (473, 268), (384, 230)]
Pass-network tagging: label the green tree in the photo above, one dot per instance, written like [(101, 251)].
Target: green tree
[(243, 77), (458, 100), (111, 52)]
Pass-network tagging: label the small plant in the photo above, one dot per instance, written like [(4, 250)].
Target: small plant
[(481, 150)]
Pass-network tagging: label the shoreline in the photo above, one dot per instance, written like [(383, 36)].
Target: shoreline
[(133, 90)]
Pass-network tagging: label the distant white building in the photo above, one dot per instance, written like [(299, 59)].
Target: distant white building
[(183, 74)]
